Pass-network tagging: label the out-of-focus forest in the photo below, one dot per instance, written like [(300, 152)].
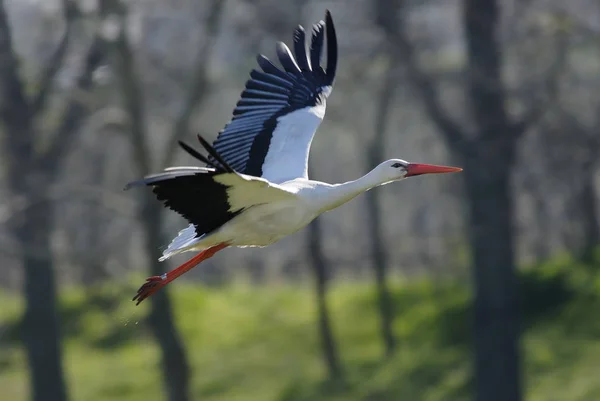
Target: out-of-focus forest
[(482, 285)]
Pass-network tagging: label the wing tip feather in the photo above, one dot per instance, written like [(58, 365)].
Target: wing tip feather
[(213, 152), (286, 58), (332, 49), (300, 49)]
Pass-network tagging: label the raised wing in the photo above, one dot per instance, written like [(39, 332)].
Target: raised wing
[(275, 120)]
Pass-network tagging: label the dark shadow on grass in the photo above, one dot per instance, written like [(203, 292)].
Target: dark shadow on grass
[(543, 293), (117, 337), (300, 390), (71, 319)]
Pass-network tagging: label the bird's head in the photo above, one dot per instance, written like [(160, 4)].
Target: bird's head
[(397, 169)]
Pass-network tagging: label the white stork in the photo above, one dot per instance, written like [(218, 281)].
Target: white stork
[(255, 188)]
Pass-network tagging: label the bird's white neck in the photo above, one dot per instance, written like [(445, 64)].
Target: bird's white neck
[(338, 194)]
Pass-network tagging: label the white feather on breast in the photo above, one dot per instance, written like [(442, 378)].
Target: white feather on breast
[(263, 225)]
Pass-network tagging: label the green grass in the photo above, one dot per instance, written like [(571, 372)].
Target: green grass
[(261, 344)]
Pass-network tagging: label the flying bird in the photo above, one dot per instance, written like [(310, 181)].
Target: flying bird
[(254, 188)]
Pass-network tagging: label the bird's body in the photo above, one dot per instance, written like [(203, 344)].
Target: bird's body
[(255, 189), (259, 225)]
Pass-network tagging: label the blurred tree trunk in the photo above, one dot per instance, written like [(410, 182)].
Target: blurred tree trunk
[(586, 197), (319, 265), (488, 166), (93, 266), (41, 324), (541, 244), (541, 247), (487, 151), (174, 363), (576, 145), (582, 233), (584, 204), (375, 155), (489, 199), (31, 173), (591, 221)]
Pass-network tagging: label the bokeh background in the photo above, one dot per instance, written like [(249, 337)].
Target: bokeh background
[(480, 286)]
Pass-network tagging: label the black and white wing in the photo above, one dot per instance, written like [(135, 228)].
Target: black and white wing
[(279, 111), (207, 197)]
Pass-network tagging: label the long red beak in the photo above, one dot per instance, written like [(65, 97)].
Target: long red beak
[(418, 169)]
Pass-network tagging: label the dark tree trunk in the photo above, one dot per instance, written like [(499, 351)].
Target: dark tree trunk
[(489, 194), (590, 218), (174, 363), (32, 229), (318, 263), (488, 167), (542, 245), (380, 267), (41, 334), (93, 267), (496, 309), (378, 251), (488, 152)]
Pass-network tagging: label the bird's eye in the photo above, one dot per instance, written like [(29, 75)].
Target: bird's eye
[(397, 165)]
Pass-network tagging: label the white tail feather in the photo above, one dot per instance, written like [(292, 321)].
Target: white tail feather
[(185, 238)]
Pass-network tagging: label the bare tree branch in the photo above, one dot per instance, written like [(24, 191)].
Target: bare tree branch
[(199, 83), (379, 255), (550, 84), (170, 74), (113, 12), (14, 107), (76, 109), (56, 61), (429, 94), (114, 202), (586, 135), (392, 19)]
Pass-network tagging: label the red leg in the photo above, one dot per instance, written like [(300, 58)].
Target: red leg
[(155, 283)]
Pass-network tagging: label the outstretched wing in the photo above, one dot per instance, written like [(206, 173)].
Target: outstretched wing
[(279, 111), (209, 197)]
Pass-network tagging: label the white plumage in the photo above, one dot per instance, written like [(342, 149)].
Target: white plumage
[(255, 189), (287, 157)]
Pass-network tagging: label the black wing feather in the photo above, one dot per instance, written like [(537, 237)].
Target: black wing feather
[(193, 193), (286, 59), (214, 154), (332, 55), (316, 46), (194, 153), (198, 198), (269, 68), (300, 49)]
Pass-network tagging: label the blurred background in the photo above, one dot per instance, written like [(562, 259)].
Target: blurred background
[(482, 285)]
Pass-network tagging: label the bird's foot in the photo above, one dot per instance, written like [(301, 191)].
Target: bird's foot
[(148, 289)]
